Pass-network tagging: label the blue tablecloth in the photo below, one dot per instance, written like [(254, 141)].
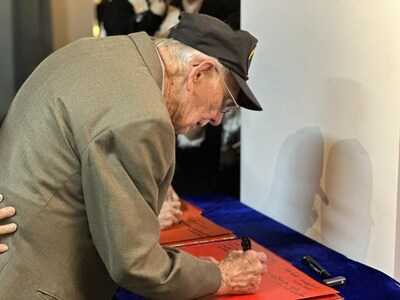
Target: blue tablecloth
[(363, 282)]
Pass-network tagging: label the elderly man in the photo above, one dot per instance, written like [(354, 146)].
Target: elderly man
[(87, 156)]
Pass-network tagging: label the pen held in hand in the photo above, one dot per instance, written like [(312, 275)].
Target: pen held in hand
[(246, 244)]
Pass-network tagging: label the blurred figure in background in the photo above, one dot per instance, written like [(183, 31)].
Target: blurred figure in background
[(225, 10), (119, 17)]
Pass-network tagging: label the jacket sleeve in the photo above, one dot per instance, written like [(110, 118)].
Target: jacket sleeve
[(125, 173)]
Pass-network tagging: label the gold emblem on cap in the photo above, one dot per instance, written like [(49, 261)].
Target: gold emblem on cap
[(251, 53)]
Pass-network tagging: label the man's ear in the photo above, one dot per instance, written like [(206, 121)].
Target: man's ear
[(200, 70)]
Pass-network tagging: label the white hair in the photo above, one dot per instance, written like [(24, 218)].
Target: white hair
[(185, 54)]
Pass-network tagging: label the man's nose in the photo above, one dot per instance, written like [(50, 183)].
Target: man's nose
[(217, 119)]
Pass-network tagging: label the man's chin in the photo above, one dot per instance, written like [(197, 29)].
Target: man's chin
[(181, 130)]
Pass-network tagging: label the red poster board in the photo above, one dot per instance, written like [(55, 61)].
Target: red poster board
[(194, 228), (282, 281)]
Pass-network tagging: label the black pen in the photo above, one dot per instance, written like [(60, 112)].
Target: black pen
[(328, 279), (316, 266), (246, 244)]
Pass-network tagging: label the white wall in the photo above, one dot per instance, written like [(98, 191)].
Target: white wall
[(323, 156)]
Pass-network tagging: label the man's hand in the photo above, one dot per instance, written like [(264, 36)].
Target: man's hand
[(241, 272), (171, 195), (170, 213), (6, 212)]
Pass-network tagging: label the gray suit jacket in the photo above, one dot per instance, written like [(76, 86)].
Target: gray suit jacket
[(86, 157)]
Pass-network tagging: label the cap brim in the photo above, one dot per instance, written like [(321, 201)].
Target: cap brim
[(246, 97)]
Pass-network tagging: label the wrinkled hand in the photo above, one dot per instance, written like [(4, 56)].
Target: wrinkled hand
[(171, 195), (171, 212), (6, 212), (192, 6), (241, 272)]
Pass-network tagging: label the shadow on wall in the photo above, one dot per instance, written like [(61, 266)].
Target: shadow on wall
[(296, 180), (348, 185), (346, 220), (346, 223)]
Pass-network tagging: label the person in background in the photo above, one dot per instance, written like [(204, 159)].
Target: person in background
[(89, 164), (120, 17), (225, 10)]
